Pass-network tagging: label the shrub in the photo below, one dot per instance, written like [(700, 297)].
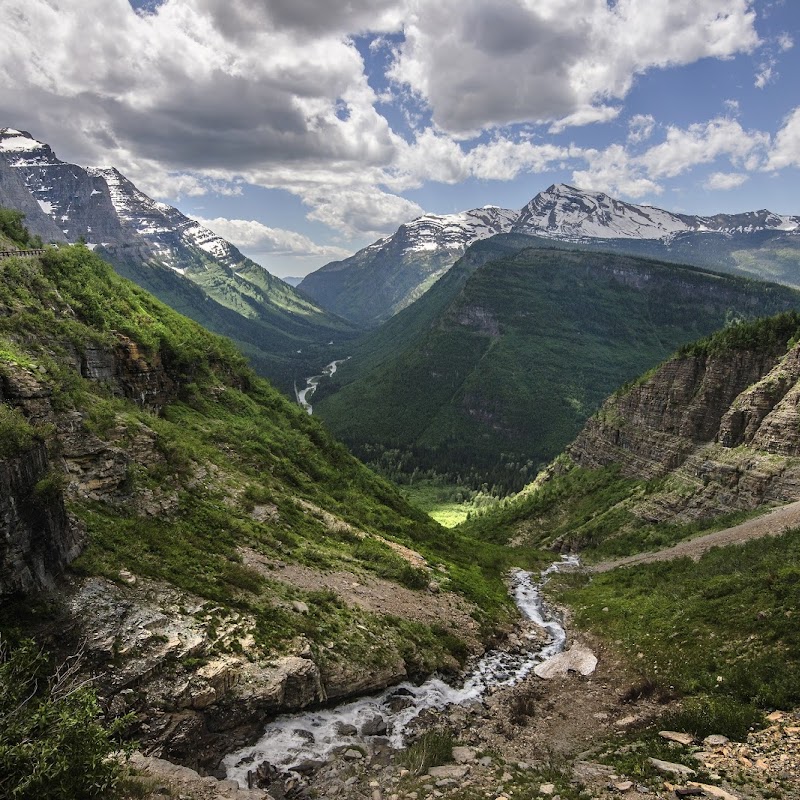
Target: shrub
[(52, 743), (16, 434), (430, 750)]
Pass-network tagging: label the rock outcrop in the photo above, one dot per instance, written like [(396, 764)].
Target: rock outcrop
[(37, 540), (37, 537), (722, 427)]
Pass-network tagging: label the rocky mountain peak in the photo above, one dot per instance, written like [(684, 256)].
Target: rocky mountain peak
[(18, 145), (567, 212), (454, 232)]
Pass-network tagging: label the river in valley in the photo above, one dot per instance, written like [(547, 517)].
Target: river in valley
[(304, 395), (293, 738)]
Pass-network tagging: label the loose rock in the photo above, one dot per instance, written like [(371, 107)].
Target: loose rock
[(577, 659), (670, 768), (676, 736)]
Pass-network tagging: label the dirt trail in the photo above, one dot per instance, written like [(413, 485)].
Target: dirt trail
[(771, 524)]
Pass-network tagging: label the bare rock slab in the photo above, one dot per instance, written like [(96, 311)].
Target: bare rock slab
[(677, 736), (577, 659), (714, 791), (672, 769), (454, 771)]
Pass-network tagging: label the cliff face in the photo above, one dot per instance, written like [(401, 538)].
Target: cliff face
[(37, 536), (37, 539), (722, 429)]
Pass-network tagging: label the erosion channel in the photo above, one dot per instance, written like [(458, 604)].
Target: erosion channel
[(295, 740)]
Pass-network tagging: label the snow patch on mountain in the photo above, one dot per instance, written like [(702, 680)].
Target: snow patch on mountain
[(566, 212), (454, 232)]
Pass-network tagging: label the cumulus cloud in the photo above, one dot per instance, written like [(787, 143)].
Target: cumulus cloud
[(617, 170), (786, 149), (480, 65), (640, 128), (724, 180), (587, 115), (249, 234), (197, 96), (197, 83), (369, 212), (703, 143), (766, 73), (767, 70)]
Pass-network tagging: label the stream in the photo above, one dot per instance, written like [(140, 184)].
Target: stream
[(304, 395), (293, 738)]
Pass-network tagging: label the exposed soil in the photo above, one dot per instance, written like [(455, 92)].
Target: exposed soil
[(375, 595), (773, 523)]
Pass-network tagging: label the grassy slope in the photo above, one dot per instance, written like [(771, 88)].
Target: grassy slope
[(722, 632), (569, 328), (724, 625), (228, 442), (284, 340)]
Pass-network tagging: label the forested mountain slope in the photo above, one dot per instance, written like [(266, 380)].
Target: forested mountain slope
[(184, 264), (497, 367)]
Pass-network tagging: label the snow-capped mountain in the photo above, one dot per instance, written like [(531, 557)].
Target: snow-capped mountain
[(183, 263), (565, 212), (162, 225), (388, 275), (453, 232), (104, 207)]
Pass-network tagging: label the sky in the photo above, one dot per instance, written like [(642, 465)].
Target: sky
[(303, 130)]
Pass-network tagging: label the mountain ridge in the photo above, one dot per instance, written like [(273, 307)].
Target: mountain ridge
[(162, 249), (387, 276), (384, 277)]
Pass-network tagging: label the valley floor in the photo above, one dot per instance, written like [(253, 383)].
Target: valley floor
[(573, 737)]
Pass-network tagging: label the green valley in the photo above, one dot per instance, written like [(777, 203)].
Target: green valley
[(494, 370), (194, 495)]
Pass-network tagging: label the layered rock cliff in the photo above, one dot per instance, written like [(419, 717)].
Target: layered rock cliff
[(718, 423), (37, 540)]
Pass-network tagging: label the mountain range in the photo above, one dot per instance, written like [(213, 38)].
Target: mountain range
[(181, 262), (385, 277)]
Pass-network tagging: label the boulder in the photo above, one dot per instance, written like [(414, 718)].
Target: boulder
[(374, 727), (676, 736), (344, 729), (463, 755), (577, 659), (714, 791), (455, 772), (672, 769)]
